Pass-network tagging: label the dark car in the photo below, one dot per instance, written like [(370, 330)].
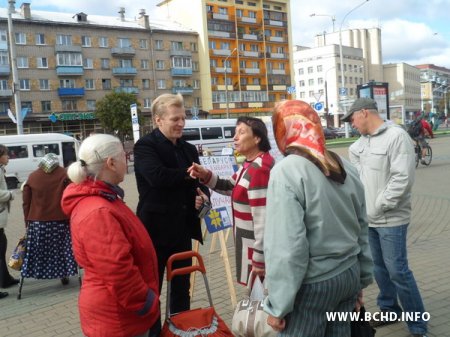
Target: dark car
[(330, 133), (351, 131)]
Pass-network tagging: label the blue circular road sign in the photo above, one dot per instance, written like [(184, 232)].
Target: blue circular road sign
[(318, 106)]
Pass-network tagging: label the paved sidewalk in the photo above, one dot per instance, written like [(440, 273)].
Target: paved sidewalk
[(49, 309)]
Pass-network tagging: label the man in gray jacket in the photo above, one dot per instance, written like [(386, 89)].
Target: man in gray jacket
[(384, 157)]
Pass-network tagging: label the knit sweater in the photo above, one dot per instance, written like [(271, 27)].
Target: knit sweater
[(247, 187)]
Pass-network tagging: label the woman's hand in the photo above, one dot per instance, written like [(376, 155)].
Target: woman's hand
[(278, 324), (200, 198), (197, 171), (359, 301)]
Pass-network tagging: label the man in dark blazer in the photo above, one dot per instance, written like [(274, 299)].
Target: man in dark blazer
[(168, 197)]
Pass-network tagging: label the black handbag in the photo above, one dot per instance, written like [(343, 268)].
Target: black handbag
[(361, 328)]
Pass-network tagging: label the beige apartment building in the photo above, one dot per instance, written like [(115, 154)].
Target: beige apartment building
[(66, 62), (434, 87), (245, 52)]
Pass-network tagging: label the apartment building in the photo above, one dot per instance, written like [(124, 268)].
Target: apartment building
[(434, 87), (66, 62), (318, 78), (404, 91), (244, 51)]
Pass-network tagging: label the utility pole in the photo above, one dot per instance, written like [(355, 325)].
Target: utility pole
[(15, 77)]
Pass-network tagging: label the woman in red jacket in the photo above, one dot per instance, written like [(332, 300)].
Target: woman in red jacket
[(119, 296)]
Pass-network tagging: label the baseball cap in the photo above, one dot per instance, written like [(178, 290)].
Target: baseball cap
[(359, 104)]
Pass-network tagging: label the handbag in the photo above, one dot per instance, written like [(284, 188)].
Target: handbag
[(361, 328), (18, 254), (249, 318)]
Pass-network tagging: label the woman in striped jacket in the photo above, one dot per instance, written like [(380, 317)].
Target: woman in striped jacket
[(247, 188)]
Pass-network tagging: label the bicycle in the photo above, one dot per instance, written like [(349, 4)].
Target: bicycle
[(425, 160)]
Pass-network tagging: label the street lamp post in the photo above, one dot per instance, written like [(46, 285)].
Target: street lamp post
[(341, 57), (226, 84), (333, 18)]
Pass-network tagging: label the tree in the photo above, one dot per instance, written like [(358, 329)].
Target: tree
[(113, 112)]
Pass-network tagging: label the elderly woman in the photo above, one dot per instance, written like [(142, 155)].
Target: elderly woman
[(49, 246), (6, 280), (120, 296), (316, 237), (247, 188)]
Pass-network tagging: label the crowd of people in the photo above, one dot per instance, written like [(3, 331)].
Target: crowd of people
[(316, 227)]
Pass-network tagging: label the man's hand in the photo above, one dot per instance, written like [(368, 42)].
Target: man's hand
[(278, 324)]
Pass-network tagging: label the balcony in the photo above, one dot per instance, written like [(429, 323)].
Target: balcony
[(250, 53), (67, 49), (222, 70), (123, 51), (124, 71), (127, 90), (275, 23), (250, 70), (3, 45), (277, 55), (6, 93), (69, 70), (247, 19), (5, 70), (221, 52), (220, 16), (71, 92), (182, 90), (276, 71), (218, 33), (181, 71), (250, 37), (180, 52), (277, 87), (276, 39)]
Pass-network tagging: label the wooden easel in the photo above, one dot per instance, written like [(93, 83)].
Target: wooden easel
[(224, 254)]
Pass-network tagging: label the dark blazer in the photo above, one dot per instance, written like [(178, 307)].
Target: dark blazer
[(166, 192)]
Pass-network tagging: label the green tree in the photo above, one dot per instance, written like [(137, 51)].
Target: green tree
[(113, 112)]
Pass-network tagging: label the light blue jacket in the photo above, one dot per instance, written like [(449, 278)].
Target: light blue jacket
[(386, 164), (315, 230)]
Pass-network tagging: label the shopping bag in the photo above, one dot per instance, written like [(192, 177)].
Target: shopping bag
[(361, 328), (18, 254), (249, 318)]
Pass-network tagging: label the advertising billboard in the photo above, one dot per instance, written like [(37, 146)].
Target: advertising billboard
[(379, 92)]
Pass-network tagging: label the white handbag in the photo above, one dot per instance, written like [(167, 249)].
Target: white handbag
[(249, 318)]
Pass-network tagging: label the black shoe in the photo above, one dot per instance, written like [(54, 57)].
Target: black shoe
[(12, 281), (382, 321), (3, 294), (65, 281)]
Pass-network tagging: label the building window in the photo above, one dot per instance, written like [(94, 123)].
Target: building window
[(319, 68), (161, 84), (20, 38), (104, 63), (143, 44), (86, 41), (196, 84), (147, 103), (302, 94), (22, 62), (176, 45), (67, 83), (42, 62), (144, 64), (69, 105), (159, 45), (106, 84), (89, 84), (63, 40), (4, 58), (103, 42), (181, 62), (160, 64), (195, 66), (311, 81), (320, 80), (214, 80), (24, 84), (90, 104), (125, 63), (88, 63), (123, 42), (223, 10), (310, 70), (301, 83), (4, 85), (3, 35), (40, 39), (69, 59), (194, 46), (212, 44), (43, 84), (198, 101), (27, 105), (252, 14), (146, 84), (46, 106)]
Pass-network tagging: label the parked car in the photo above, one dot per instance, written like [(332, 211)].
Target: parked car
[(351, 131), (330, 133)]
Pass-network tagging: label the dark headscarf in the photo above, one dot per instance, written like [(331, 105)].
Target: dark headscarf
[(298, 130)]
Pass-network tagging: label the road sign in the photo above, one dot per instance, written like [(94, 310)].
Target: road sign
[(291, 90), (342, 91), (318, 106)]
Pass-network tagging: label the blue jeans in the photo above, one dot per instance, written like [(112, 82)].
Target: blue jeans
[(394, 278)]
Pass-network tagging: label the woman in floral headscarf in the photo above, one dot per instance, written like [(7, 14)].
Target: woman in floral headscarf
[(49, 246), (315, 241)]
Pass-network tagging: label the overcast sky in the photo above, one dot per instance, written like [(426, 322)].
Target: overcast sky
[(412, 31)]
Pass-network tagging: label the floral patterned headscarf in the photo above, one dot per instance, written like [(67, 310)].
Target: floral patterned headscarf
[(297, 129)]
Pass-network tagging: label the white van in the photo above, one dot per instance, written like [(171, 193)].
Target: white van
[(210, 134), (25, 152)]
